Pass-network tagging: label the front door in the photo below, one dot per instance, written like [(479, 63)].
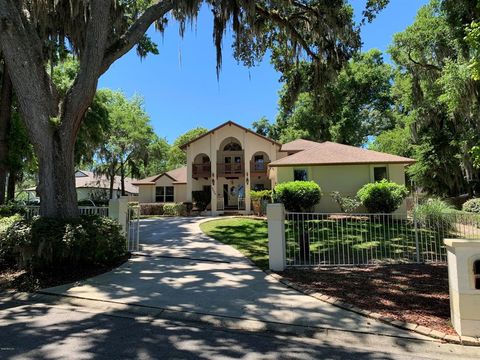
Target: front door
[(225, 195)]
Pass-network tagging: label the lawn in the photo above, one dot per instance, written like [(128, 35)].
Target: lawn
[(249, 236)]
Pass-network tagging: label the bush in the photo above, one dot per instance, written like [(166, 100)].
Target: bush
[(151, 209), (50, 243), (11, 209), (298, 195), (382, 197), (346, 203), (472, 205), (260, 195), (434, 212), (6, 255), (202, 199), (174, 210), (188, 207)]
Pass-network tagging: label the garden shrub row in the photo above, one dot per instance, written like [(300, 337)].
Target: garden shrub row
[(45, 244)]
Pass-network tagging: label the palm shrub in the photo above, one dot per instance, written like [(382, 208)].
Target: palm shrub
[(472, 205), (259, 200), (382, 196), (434, 213), (347, 204), (298, 196)]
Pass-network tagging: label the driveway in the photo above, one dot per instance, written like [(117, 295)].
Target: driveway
[(183, 270)]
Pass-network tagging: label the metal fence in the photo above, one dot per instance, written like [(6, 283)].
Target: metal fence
[(133, 228), (320, 239), (32, 211)]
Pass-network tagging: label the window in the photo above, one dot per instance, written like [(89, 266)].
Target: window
[(232, 147), (205, 159), (476, 273), (300, 175), (164, 194), (380, 173), (258, 159)]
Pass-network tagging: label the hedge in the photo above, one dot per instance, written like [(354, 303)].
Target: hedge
[(298, 196), (382, 197)]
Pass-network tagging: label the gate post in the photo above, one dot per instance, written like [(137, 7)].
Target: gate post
[(276, 236), (117, 210)]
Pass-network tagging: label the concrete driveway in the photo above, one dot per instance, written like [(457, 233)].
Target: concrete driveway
[(182, 270)]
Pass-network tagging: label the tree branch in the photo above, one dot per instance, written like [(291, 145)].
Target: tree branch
[(428, 66), (276, 17), (136, 31)]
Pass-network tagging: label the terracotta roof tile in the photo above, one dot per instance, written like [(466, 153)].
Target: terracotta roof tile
[(330, 153)]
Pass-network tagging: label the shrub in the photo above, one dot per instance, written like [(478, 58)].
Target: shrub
[(11, 209), (188, 207), (6, 254), (298, 195), (382, 197), (202, 199), (151, 209), (472, 205), (174, 209), (347, 204), (50, 243), (260, 195), (434, 212)]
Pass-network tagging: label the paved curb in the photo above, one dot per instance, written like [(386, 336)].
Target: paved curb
[(423, 330), (151, 313)]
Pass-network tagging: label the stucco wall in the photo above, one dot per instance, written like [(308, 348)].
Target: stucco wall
[(147, 192), (346, 179)]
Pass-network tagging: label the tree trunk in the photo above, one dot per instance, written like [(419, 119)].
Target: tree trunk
[(6, 96), (112, 181), (122, 178), (57, 176), (11, 185)]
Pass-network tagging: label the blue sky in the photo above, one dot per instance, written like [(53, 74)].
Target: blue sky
[(180, 87)]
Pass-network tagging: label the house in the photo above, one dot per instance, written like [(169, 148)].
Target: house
[(97, 187), (231, 160)]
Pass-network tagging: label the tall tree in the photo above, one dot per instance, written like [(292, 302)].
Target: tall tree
[(176, 156), (129, 140), (101, 31), (6, 99), (353, 106)]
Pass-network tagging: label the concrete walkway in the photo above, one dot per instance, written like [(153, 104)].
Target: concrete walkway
[(183, 270)]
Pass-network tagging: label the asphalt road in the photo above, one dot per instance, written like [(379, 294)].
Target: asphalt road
[(42, 331)]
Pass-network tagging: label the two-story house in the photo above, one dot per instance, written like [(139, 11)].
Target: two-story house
[(231, 160)]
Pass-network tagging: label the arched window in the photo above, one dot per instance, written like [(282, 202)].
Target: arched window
[(232, 146)]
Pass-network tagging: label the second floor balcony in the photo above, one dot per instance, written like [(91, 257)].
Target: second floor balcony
[(259, 167), (201, 170), (230, 169)]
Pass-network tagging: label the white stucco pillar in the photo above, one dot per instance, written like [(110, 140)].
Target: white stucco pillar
[(248, 176), (213, 171), (117, 210), (276, 236), (189, 175), (463, 269)]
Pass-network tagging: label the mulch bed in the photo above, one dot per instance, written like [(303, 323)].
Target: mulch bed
[(415, 293), (22, 280)]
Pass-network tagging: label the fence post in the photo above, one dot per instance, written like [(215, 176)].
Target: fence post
[(276, 236), (417, 243), (117, 210)]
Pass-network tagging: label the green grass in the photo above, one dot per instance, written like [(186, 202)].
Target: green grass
[(249, 236)]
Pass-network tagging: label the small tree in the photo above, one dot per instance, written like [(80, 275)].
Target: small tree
[(382, 197), (298, 196)]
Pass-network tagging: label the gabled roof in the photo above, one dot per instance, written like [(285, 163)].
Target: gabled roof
[(330, 153), (298, 145), (229, 123), (178, 176)]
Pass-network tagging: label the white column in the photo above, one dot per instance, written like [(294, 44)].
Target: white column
[(276, 236), (213, 170), (117, 210), (248, 176), (464, 296), (189, 174)]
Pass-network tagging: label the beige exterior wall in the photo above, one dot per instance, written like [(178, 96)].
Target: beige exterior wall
[(147, 192), (346, 179), (210, 146)]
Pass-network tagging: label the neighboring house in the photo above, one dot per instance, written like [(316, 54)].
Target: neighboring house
[(231, 160), (97, 187)]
